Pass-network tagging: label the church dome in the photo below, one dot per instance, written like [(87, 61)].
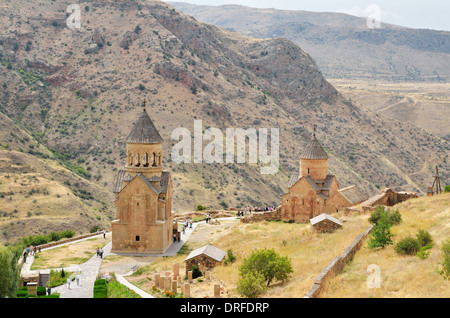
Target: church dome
[(314, 150), (144, 131)]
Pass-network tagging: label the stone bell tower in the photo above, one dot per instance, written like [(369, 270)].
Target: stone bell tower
[(144, 148), (314, 160)]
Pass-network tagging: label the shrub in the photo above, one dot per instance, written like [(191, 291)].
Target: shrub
[(445, 272), (41, 291), (408, 246), (100, 288), (394, 216), (423, 252), (22, 292), (267, 263), (251, 286), (231, 258), (424, 238), (447, 188), (381, 235), (200, 207)]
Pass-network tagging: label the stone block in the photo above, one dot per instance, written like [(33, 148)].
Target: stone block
[(186, 290), (176, 269), (216, 290)]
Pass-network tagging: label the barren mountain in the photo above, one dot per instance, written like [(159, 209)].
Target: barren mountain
[(343, 45), (77, 93)]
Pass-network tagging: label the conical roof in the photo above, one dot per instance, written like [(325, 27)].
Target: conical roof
[(144, 131), (314, 150)]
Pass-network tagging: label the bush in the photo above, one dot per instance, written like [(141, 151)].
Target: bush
[(408, 246), (267, 263), (100, 289), (200, 207), (394, 216), (447, 188), (22, 292), (445, 272), (251, 286), (41, 291), (424, 238), (423, 252), (231, 258)]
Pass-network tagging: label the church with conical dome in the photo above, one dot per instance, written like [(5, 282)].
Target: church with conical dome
[(144, 218), (312, 191)]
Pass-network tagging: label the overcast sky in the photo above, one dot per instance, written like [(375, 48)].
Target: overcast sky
[(428, 14)]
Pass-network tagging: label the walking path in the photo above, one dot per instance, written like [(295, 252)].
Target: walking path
[(89, 270)]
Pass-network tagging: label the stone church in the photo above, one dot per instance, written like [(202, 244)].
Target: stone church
[(313, 191), (144, 219)]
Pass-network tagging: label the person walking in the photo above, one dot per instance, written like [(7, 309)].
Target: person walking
[(68, 282), (101, 253), (104, 233), (98, 251), (78, 279)]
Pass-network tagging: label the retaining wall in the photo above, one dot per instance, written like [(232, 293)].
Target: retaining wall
[(336, 265)]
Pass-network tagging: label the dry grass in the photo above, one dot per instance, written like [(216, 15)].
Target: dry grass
[(402, 276), (71, 254), (309, 252)]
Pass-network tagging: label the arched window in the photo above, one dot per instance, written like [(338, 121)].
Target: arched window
[(145, 160), (130, 159), (154, 160), (136, 160)]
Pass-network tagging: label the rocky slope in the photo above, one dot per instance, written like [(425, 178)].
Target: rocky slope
[(342, 45), (78, 91)]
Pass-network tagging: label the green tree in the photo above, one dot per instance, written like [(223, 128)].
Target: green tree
[(9, 271), (381, 235), (268, 263)]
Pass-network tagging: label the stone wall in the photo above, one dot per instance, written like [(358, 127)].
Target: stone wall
[(274, 215), (336, 265), (204, 262), (388, 197)]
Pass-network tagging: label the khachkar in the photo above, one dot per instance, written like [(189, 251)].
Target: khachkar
[(144, 219)]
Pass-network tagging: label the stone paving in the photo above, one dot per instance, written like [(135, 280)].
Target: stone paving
[(89, 270)]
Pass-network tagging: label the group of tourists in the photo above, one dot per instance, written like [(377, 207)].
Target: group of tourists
[(100, 252), (187, 224), (30, 251), (248, 210)]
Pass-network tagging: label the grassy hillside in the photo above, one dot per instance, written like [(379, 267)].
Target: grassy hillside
[(402, 276)]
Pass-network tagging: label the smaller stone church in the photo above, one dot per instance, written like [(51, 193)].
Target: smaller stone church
[(312, 191), (144, 220)]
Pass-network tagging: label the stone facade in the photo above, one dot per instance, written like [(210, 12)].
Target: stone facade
[(144, 219), (313, 191)]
